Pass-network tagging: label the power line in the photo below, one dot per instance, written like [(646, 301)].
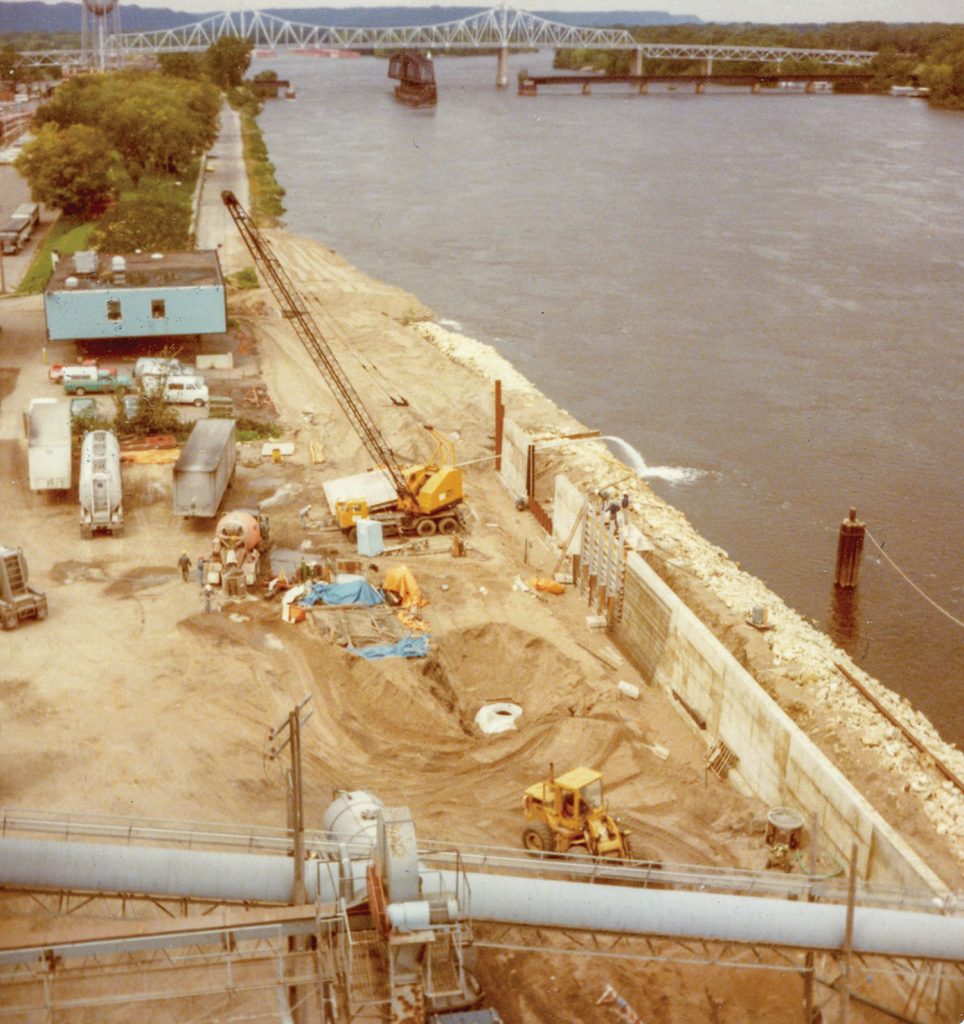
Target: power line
[(903, 574)]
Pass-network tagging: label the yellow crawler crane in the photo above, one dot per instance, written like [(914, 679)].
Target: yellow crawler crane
[(568, 812), (426, 497)]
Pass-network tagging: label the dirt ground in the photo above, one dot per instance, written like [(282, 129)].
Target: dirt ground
[(130, 699)]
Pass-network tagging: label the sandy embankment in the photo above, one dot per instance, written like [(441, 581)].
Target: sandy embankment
[(793, 661)]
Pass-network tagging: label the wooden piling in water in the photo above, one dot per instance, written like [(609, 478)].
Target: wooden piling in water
[(850, 546)]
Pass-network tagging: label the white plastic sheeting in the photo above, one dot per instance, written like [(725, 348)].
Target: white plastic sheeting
[(499, 716)]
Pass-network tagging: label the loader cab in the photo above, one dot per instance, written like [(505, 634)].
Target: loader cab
[(577, 794), (569, 798)]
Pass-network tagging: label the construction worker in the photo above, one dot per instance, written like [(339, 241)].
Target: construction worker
[(200, 573), (184, 564)]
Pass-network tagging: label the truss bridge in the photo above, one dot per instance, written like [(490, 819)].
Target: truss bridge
[(500, 29)]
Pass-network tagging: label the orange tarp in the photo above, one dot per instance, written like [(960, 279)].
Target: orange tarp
[(400, 580)]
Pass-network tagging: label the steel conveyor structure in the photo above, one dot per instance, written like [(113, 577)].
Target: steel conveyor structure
[(713, 913), (535, 902)]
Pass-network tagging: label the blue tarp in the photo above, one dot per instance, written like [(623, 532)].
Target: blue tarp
[(407, 647), (356, 592)]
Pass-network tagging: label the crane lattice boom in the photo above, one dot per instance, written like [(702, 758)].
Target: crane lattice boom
[(293, 309)]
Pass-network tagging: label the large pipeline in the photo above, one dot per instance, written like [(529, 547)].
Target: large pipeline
[(96, 867)]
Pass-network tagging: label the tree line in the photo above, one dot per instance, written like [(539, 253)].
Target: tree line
[(124, 146), (925, 54)]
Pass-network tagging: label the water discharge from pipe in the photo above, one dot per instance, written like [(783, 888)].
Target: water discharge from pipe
[(632, 457)]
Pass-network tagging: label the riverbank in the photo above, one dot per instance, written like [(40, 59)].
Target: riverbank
[(796, 664)]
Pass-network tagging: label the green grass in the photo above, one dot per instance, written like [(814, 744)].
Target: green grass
[(247, 278), (68, 235), (163, 186), (267, 207)]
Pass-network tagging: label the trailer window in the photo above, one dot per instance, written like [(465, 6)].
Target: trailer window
[(158, 309), (113, 309)]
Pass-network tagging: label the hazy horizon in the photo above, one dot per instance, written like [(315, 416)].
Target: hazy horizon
[(762, 11)]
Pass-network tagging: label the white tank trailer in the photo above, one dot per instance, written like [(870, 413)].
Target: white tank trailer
[(205, 468), (99, 489)]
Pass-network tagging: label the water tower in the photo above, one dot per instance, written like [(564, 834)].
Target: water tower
[(100, 33)]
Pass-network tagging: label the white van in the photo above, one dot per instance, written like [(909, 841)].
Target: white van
[(184, 390), (148, 366)]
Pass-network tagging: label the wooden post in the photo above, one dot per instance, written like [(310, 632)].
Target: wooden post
[(850, 546), (499, 417), (297, 822), (844, 987), (298, 807)]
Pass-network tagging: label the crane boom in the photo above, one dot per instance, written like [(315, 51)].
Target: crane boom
[(294, 310)]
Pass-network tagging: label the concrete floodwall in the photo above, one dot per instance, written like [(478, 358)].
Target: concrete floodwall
[(515, 458), (777, 762)]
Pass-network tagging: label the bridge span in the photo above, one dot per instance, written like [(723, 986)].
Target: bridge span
[(500, 29)]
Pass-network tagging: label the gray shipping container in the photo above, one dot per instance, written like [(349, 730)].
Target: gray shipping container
[(205, 468), (48, 451)]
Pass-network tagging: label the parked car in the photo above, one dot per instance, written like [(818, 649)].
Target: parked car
[(151, 366), (83, 408), (131, 404), (179, 389), (105, 384)]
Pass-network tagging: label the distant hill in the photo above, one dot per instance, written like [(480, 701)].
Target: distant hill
[(33, 16)]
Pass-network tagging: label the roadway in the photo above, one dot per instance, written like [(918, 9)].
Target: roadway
[(215, 229), (14, 191)]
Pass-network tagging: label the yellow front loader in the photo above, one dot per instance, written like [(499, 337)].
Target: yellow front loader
[(568, 813)]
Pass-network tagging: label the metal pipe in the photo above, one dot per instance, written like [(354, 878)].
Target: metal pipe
[(713, 916), (536, 902)]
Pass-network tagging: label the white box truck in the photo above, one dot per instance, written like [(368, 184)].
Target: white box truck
[(99, 486), (48, 445), (205, 468)]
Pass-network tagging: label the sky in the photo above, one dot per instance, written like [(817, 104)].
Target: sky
[(768, 11)]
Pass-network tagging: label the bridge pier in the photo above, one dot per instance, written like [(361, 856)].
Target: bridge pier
[(700, 88), (708, 66), (502, 69), (637, 68)]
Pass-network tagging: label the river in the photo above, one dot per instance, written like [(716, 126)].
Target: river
[(762, 294)]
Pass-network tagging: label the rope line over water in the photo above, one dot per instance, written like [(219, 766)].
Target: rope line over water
[(903, 574)]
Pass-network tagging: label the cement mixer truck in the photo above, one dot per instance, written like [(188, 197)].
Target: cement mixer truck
[(240, 539)]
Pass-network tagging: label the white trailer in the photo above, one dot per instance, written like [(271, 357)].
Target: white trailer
[(205, 468), (99, 487), (48, 446), (15, 234)]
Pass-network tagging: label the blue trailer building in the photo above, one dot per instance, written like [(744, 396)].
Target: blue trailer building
[(137, 295)]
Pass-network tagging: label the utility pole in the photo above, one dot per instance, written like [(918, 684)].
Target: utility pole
[(296, 822), (296, 816)]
